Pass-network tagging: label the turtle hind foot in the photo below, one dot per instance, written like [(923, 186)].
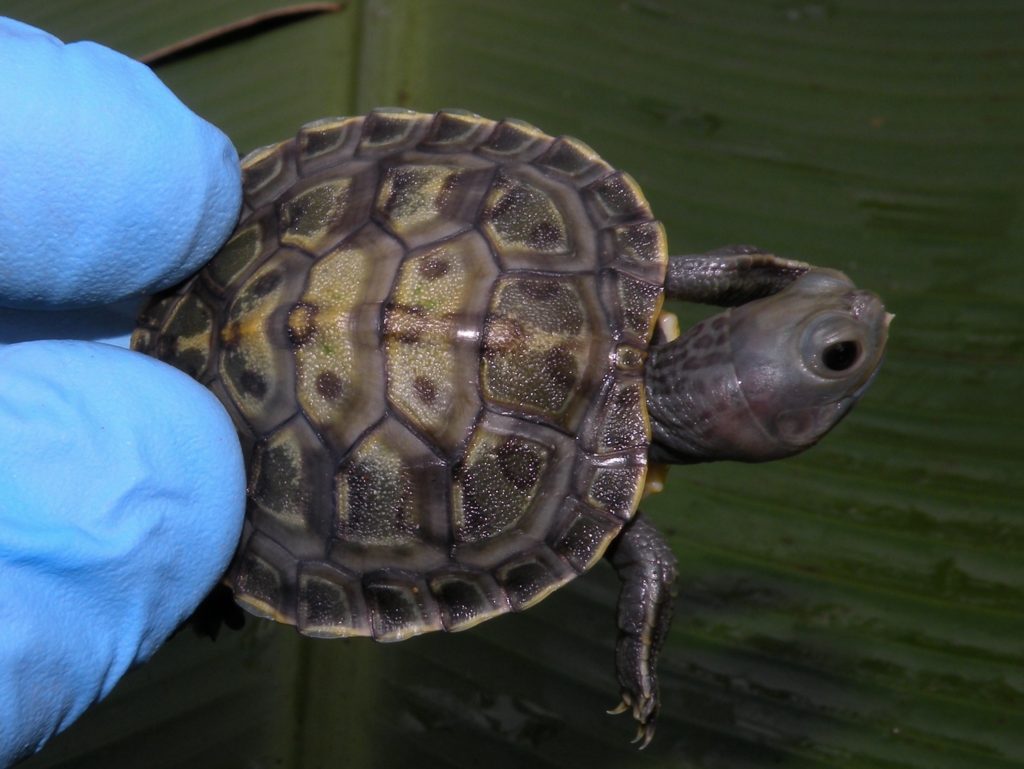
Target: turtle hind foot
[(644, 713), (647, 568), (215, 611)]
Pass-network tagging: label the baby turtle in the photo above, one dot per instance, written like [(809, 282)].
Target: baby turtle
[(438, 338)]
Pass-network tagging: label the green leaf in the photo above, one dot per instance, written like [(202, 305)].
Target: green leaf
[(860, 606)]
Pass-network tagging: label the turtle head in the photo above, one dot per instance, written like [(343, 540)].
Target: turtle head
[(769, 378)]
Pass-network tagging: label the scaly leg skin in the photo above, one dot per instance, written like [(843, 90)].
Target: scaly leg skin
[(647, 568), (730, 276)]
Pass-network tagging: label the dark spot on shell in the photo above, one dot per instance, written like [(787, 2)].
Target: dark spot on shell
[(518, 464), (330, 385), (253, 383), (559, 367), (425, 389), (449, 187), (507, 203), (265, 284), (401, 181), (434, 267), (302, 323), (718, 324), (544, 236), (540, 290), (704, 341)]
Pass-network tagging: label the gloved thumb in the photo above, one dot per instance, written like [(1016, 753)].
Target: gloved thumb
[(121, 500)]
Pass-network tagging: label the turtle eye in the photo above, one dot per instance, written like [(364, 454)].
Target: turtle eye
[(840, 356), (832, 345)]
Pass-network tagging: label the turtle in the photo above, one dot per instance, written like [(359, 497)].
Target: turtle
[(441, 339)]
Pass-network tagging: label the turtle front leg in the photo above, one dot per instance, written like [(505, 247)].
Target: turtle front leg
[(730, 276), (647, 568)]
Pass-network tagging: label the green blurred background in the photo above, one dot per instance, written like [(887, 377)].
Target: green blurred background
[(861, 606)]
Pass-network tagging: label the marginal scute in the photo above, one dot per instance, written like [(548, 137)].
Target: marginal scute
[(533, 576), (575, 160), (633, 305), (266, 173), (261, 577), (515, 139), (455, 131), (399, 607), (583, 541), (617, 199), (330, 603), (625, 424), (389, 130), (322, 143), (466, 599), (186, 337), (629, 358), (640, 249), (244, 250), (614, 485)]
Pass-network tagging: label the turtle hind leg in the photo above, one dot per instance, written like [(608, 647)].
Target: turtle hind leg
[(647, 568)]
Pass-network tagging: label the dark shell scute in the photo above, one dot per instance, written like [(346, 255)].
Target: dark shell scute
[(467, 598), (399, 607), (529, 579), (583, 541), (330, 603)]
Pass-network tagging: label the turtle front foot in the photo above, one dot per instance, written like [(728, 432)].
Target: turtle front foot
[(647, 568)]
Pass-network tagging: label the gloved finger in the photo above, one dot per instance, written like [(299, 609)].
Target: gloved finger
[(110, 185), (121, 501)]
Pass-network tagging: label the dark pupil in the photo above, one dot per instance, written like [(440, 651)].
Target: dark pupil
[(840, 356)]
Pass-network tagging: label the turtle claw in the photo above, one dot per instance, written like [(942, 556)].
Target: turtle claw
[(644, 735), (622, 707), (644, 710)]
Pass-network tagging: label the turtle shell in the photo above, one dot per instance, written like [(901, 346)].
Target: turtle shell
[(430, 331)]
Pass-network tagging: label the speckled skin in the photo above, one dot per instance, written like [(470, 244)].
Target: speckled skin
[(432, 333)]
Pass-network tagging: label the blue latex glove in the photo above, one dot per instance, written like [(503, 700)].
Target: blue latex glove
[(121, 482)]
